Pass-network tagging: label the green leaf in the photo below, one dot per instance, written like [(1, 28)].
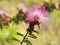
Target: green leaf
[(16, 39), (28, 42), (32, 36), (19, 34), (36, 31)]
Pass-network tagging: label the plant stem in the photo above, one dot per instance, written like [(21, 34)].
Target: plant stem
[(24, 38)]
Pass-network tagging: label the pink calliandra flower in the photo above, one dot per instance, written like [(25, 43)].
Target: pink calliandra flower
[(22, 7), (5, 14), (37, 13)]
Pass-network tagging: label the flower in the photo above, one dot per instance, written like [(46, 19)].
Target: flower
[(5, 14), (22, 7), (37, 13)]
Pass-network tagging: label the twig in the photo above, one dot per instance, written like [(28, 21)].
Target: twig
[(38, 26), (24, 38)]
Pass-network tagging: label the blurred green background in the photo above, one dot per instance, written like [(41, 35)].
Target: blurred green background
[(47, 36)]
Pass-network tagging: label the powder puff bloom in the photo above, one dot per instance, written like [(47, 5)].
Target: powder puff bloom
[(37, 13), (22, 7), (5, 14)]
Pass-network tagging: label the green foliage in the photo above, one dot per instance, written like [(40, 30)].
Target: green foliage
[(32, 36), (36, 31), (19, 34), (5, 32), (9, 33), (27, 42)]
